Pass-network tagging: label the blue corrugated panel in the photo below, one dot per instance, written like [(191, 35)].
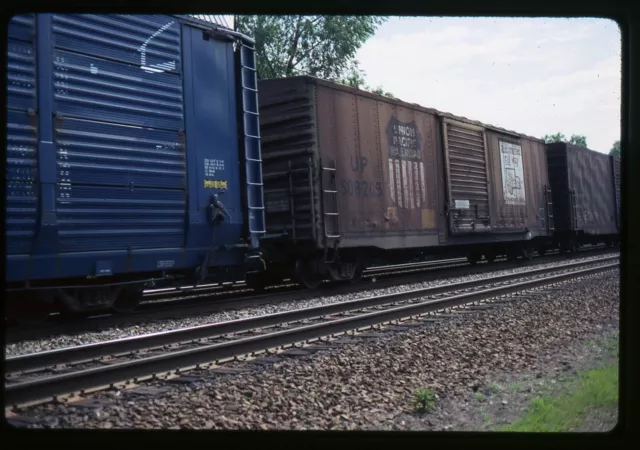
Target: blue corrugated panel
[(92, 218), (22, 27), (108, 154), (149, 41), (22, 134), (21, 75), (122, 169), (21, 148), (95, 88)]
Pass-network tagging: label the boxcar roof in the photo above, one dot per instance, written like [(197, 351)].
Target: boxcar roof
[(570, 146), (214, 23), (415, 106)]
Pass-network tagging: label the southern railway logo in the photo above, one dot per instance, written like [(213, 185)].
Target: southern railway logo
[(407, 186)]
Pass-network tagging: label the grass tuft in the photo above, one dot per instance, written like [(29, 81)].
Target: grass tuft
[(425, 400), (596, 390)]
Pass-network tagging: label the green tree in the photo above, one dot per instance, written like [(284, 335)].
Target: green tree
[(380, 91), (321, 46), (578, 139), (575, 139), (558, 137), (356, 79), (615, 150)]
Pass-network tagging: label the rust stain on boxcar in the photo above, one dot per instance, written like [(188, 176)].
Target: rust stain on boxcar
[(385, 164), (408, 159)]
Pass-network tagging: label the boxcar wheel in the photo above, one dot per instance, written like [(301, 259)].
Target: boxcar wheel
[(357, 273), (306, 276)]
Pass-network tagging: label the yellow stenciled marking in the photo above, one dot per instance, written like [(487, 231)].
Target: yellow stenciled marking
[(215, 184)]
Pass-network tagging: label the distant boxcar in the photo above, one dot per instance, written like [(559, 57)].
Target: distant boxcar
[(351, 176), (123, 134), (617, 179), (586, 186)]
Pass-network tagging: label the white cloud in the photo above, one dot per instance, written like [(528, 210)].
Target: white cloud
[(535, 76)]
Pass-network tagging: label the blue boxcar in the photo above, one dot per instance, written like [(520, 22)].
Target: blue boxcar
[(121, 132)]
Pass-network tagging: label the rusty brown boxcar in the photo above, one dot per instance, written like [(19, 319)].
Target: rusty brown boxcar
[(349, 175), (584, 189), (494, 188)]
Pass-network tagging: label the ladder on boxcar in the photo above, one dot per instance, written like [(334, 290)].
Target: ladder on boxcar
[(549, 206), (252, 151), (297, 191), (331, 213)]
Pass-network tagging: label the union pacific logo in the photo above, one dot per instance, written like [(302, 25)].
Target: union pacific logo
[(407, 184)]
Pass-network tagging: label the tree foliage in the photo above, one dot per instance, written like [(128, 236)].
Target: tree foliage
[(575, 139), (578, 139), (356, 79), (321, 46), (615, 150), (558, 137)]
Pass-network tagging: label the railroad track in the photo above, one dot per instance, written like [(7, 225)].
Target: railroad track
[(228, 293), (99, 366), (153, 296), (203, 304)]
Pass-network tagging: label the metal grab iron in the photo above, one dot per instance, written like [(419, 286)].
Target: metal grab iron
[(217, 210)]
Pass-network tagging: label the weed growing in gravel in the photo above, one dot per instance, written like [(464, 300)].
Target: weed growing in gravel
[(611, 344), (479, 396), (494, 388), (515, 387), (425, 400), (596, 390)]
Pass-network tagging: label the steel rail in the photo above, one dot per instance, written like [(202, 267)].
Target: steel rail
[(170, 292), (119, 372), (39, 360), (413, 265), (204, 304)]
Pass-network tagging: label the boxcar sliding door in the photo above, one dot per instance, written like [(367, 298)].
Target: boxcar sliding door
[(467, 180)]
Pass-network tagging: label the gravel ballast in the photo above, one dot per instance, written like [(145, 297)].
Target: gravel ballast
[(70, 340), (370, 383)]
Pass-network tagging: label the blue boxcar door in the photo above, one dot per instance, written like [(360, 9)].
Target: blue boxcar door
[(118, 101), (212, 146)]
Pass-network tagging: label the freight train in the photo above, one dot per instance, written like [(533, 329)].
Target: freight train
[(351, 178), (143, 152)]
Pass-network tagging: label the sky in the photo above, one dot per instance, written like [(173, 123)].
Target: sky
[(535, 76)]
